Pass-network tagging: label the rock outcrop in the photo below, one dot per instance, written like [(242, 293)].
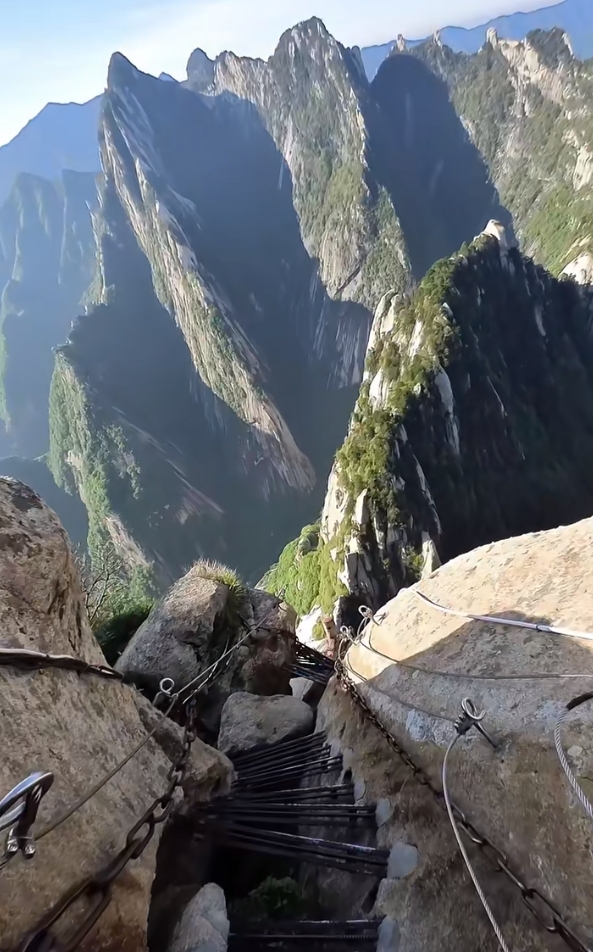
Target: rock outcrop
[(78, 726), (196, 622), (517, 794), (248, 721)]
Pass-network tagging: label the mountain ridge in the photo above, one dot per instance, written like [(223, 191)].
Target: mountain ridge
[(573, 16), (61, 136)]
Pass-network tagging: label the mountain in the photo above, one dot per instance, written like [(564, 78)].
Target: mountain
[(313, 98), (528, 107), (474, 423), (47, 260), (62, 136), (574, 17), (249, 220), (188, 406)]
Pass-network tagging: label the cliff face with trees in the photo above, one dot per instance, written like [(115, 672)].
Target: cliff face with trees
[(527, 107), (474, 422)]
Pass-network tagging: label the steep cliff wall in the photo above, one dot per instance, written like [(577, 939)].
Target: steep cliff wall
[(527, 107), (46, 263), (213, 377), (474, 421)]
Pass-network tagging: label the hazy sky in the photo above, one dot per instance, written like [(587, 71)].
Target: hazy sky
[(58, 50)]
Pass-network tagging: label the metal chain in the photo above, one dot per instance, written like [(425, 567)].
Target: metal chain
[(35, 660), (543, 910), (94, 893)]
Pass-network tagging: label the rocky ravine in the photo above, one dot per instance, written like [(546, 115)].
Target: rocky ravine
[(46, 264)]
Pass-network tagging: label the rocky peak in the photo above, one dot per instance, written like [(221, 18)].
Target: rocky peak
[(411, 483), (502, 233), (200, 70)]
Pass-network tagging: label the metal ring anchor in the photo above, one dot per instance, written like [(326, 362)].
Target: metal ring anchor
[(471, 717), (18, 812), (165, 692)]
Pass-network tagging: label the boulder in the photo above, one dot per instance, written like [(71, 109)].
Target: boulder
[(204, 925), (516, 794), (78, 726), (195, 623), (248, 720)]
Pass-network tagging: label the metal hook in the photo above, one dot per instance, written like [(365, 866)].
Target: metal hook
[(167, 686), (471, 717), (166, 689), (18, 812)]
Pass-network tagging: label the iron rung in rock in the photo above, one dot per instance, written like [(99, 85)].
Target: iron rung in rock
[(290, 814), (310, 673), (306, 653), (313, 935), (350, 857), (338, 793), (271, 751)]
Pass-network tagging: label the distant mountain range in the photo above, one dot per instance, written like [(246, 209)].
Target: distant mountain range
[(64, 135), (575, 17), (61, 136)]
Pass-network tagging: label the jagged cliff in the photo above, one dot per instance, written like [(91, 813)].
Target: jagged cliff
[(46, 264), (527, 107), (474, 422)]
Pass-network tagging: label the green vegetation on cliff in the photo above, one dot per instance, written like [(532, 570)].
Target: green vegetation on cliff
[(528, 108), (474, 423), (484, 427), (306, 573)]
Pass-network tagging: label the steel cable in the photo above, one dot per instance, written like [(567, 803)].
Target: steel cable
[(369, 616), (464, 852), (562, 756), (112, 773), (512, 622)]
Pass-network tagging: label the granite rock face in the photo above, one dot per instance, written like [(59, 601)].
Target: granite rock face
[(518, 794), (77, 726)]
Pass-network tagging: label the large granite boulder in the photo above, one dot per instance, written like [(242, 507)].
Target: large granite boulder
[(197, 620), (517, 794), (249, 720), (204, 925), (78, 726)]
